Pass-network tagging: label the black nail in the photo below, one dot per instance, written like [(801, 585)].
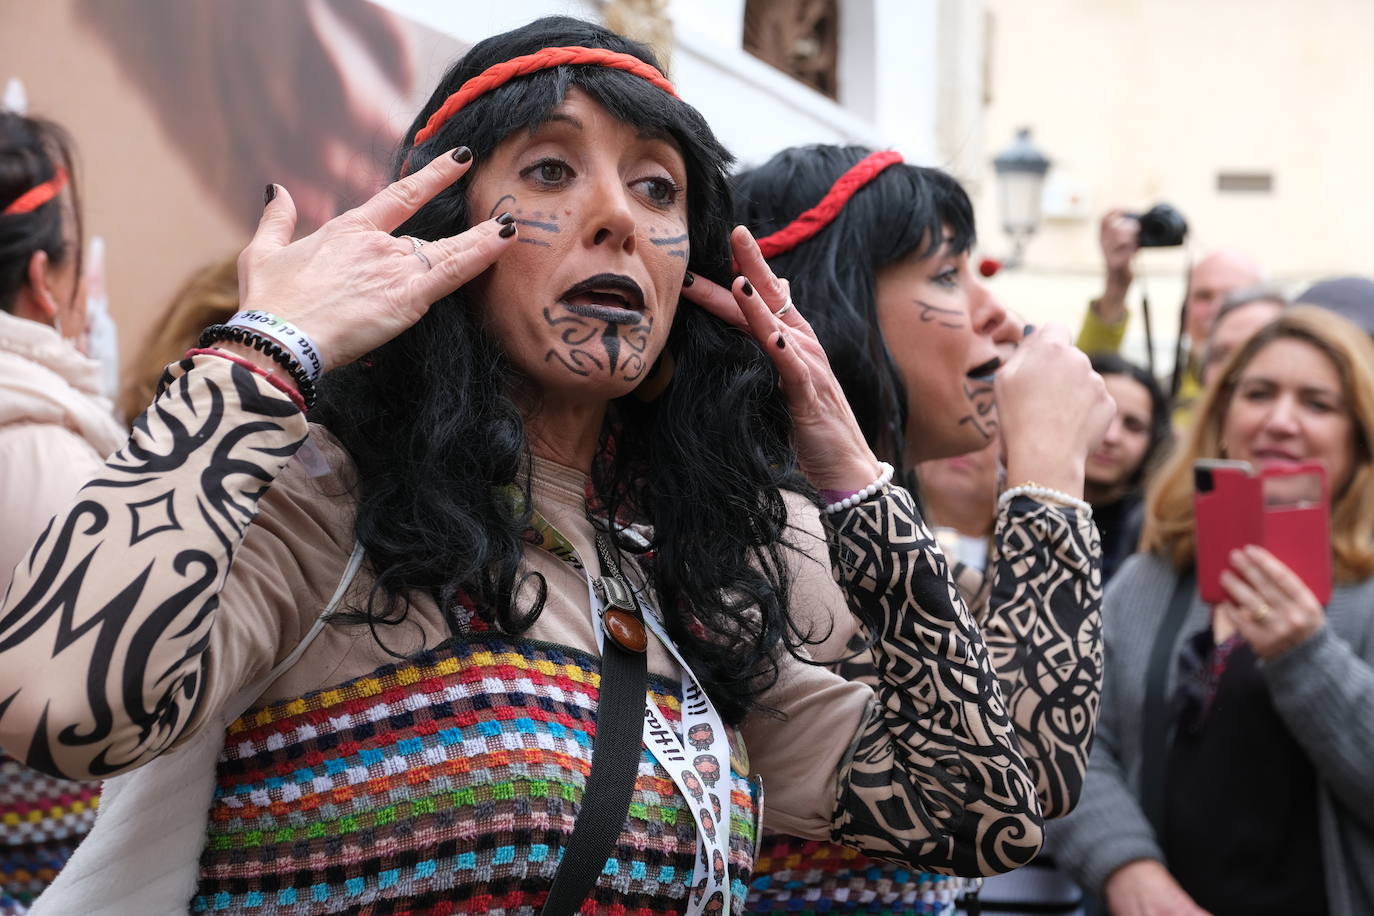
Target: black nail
[(506, 218), (688, 280), (462, 154), (748, 290), (269, 194), (1028, 330), (782, 344), (507, 231)]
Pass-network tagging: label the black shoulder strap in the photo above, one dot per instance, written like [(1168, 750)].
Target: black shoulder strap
[(615, 755), (1155, 737)]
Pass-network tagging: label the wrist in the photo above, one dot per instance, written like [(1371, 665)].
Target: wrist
[(1057, 473), (838, 500)]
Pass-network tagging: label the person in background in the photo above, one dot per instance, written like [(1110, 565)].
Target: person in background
[(959, 495), (1114, 478), (55, 431), (1233, 771), (209, 296), (1243, 313), (1209, 282), (1349, 297)]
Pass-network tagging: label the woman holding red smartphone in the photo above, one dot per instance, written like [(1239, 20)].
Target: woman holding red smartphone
[(1234, 765)]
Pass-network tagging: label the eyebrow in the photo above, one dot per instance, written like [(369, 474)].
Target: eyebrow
[(1302, 389), (565, 118)]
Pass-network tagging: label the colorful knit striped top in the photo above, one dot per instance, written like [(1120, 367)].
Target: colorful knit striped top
[(447, 783)]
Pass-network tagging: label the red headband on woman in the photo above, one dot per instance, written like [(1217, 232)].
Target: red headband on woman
[(38, 195), (545, 59), (821, 215)]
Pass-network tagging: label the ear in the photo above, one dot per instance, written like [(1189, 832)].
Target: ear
[(36, 301)]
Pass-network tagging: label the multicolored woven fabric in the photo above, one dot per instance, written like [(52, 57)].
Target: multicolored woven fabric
[(806, 876), (447, 783), (42, 819)]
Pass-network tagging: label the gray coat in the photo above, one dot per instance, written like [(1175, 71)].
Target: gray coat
[(1323, 689)]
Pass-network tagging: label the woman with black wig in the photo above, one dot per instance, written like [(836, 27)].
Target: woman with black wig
[(526, 441), (876, 252)]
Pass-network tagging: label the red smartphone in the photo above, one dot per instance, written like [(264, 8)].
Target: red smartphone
[(1284, 509)]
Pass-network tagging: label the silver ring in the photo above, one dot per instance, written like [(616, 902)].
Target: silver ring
[(783, 311), (416, 245)]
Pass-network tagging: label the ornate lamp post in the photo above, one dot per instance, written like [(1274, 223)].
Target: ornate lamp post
[(1020, 172)]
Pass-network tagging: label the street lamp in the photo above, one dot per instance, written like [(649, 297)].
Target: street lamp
[(1021, 172)]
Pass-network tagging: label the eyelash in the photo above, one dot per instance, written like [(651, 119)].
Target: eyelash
[(947, 277), (674, 190), (534, 173)]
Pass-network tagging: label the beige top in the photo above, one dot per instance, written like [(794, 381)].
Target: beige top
[(55, 430), (309, 519)]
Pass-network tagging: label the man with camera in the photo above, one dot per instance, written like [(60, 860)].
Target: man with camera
[(1122, 234)]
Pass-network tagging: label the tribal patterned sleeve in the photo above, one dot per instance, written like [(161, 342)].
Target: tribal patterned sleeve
[(934, 776), (1043, 630), (106, 628)]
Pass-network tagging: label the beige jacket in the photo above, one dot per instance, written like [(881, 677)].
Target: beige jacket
[(55, 431)]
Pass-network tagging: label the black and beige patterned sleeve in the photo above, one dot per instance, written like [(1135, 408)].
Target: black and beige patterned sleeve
[(104, 629), (934, 777), (1043, 630)]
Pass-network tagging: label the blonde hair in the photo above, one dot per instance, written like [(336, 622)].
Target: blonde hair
[(209, 296), (1169, 529)]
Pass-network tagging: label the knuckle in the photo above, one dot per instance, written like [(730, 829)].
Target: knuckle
[(407, 193)]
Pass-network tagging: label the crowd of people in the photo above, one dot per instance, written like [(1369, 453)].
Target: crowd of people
[(492, 547)]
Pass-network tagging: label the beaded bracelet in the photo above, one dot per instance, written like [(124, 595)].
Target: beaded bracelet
[(273, 379), (1044, 494), (858, 496), (218, 333), (284, 333)]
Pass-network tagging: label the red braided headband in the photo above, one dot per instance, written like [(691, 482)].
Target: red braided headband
[(821, 215), (544, 59), (38, 195)]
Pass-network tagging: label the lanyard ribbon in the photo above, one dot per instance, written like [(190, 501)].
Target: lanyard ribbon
[(701, 772)]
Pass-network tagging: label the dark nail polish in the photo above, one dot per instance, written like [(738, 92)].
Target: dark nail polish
[(1028, 330), (688, 280), (782, 342), (462, 154), (507, 231), (506, 218), (747, 288), (269, 194)]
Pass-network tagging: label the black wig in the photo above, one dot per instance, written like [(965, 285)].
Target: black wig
[(905, 211), (31, 151), (437, 438)]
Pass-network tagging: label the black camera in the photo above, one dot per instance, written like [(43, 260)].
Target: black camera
[(1161, 226)]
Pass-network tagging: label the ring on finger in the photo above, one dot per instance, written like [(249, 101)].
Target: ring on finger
[(1261, 613), (785, 307), (416, 245)]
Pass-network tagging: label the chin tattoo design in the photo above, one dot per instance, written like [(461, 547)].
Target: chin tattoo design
[(592, 345)]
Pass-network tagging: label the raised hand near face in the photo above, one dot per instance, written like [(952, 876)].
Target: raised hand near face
[(351, 286), (830, 446), (1053, 408)]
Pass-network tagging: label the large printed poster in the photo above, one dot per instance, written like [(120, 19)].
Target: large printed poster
[(182, 110)]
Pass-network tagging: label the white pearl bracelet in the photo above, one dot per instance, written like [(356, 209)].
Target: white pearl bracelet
[(853, 499), (1044, 494)]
